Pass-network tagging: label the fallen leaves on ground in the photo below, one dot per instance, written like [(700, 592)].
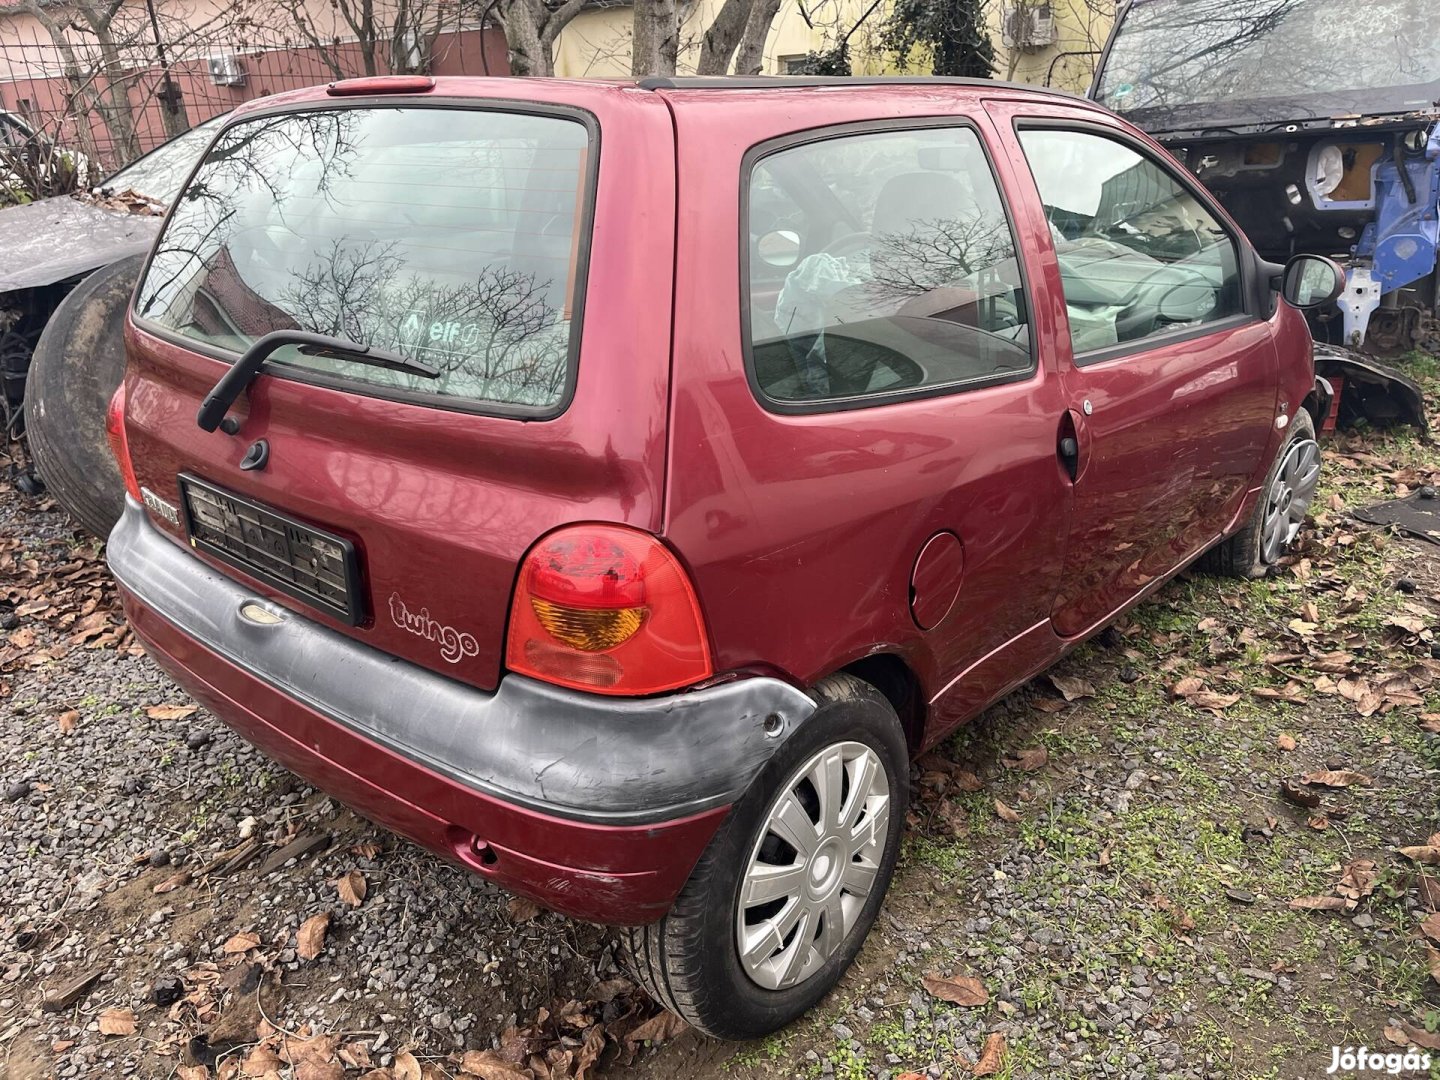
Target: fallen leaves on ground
[(992, 1056), (241, 942), (1005, 813), (117, 1021), (1336, 778), (1286, 742), (352, 888), (171, 712), (1028, 760), (66, 721), (1428, 854), (310, 938), (963, 990), (522, 910), (1298, 795), (1072, 687)]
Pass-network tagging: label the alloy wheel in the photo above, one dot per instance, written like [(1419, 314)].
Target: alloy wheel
[(1289, 498), (813, 865)]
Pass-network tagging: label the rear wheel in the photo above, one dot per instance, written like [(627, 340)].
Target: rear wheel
[(78, 363), (1280, 512), (780, 902)]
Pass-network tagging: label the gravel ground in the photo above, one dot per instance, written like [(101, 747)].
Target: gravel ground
[(1126, 904)]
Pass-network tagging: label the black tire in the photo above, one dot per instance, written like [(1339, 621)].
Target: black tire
[(689, 961), (1242, 555), (78, 363)]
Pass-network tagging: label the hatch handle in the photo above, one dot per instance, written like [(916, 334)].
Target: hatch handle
[(242, 373)]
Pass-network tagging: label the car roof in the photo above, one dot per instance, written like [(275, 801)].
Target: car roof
[(792, 82)]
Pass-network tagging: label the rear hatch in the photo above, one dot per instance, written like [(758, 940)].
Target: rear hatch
[(495, 243)]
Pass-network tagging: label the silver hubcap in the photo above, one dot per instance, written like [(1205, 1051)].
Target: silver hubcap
[(1289, 498), (813, 865)]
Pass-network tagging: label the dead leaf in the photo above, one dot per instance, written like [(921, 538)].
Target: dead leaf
[(963, 990), (67, 721), (367, 850), (351, 887), (1427, 854), (992, 1056), (1430, 926), (1336, 778), (1208, 699), (662, 1027), (1005, 813), (1298, 795), (1318, 903), (171, 712), (1187, 686), (260, 1060), (523, 910), (1072, 687), (117, 1021), (406, 1067), (319, 1070), (1396, 1035), (1286, 742), (310, 938), (488, 1065), (1432, 961), (1319, 822), (192, 1072), (1420, 1037), (1428, 890), (173, 882), (1028, 760), (242, 942)]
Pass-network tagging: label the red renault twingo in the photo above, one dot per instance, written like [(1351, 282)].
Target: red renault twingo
[(611, 485)]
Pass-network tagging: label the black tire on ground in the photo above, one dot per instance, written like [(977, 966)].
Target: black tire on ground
[(689, 961), (78, 363), (1240, 556)]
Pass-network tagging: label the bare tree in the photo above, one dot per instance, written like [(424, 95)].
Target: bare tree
[(391, 35), (655, 44), (531, 28)]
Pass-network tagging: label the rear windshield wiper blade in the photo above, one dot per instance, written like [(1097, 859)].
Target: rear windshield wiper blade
[(242, 373)]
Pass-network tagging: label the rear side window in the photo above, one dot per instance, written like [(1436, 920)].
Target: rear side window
[(451, 237), (881, 264)]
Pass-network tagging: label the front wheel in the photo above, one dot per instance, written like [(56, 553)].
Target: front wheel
[(780, 902), (1279, 513)]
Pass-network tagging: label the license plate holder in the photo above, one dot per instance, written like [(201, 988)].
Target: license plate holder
[(312, 565)]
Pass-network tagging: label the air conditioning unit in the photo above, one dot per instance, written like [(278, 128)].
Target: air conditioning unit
[(1029, 27), (226, 70)]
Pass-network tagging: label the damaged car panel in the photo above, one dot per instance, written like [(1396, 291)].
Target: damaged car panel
[(1314, 143)]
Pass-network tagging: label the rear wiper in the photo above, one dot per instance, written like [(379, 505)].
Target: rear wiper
[(242, 373)]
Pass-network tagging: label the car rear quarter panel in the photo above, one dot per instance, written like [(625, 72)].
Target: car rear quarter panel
[(801, 531)]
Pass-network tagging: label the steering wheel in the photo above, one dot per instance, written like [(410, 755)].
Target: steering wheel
[(847, 244)]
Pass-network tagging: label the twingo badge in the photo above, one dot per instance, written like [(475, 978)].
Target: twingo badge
[(454, 644), (159, 507)]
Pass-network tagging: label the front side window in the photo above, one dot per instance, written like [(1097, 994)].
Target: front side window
[(1139, 254), (881, 264), (445, 236)]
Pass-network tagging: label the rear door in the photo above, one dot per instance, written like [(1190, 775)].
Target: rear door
[(1171, 372), (495, 242)]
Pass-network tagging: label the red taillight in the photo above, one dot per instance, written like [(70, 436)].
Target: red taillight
[(607, 609), (119, 446)]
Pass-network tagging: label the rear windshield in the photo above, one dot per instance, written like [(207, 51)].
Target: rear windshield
[(1171, 53), (445, 236)]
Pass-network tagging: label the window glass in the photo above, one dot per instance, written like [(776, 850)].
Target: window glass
[(444, 236), (880, 264), (160, 173), (1139, 255)]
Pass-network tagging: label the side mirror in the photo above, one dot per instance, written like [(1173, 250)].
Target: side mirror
[(780, 249), (1312, 281)]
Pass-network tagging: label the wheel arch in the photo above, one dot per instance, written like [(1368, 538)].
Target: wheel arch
[(897, 681)]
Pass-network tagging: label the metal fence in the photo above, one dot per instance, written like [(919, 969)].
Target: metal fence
[(114, 104)]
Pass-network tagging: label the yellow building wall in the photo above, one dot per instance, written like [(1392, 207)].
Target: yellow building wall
[(596, 43), (1082, 27)]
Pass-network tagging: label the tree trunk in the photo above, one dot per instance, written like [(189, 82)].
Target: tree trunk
[(528, 55), (718, 43), (656, 40), (750, 55)]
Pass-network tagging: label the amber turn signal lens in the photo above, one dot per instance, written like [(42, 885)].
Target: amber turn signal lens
[(588, 629)]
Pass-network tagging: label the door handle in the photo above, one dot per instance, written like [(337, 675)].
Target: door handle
[(1068, 443)]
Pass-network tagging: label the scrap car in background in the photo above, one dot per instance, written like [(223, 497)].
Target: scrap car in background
[(67, 265), (1314, 122)]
